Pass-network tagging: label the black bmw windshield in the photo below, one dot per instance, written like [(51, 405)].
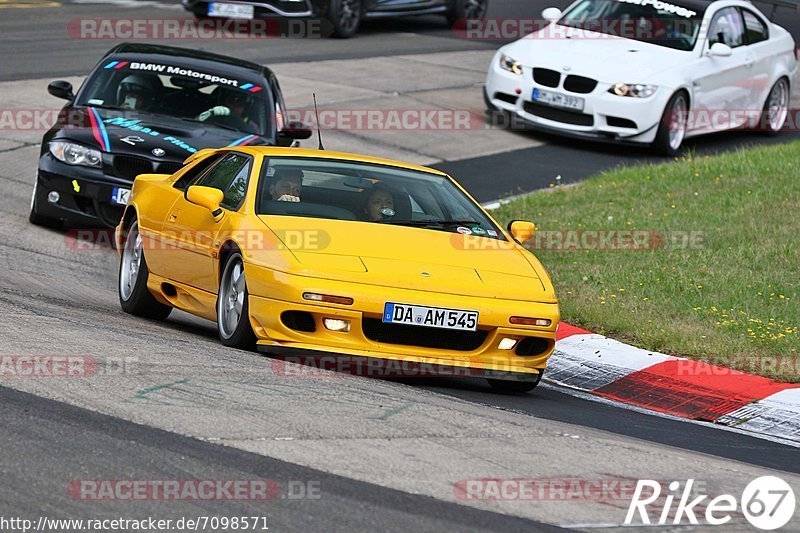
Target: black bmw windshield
[(652, 21), (177, 91)]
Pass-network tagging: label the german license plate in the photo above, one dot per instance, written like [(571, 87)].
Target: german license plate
[(120, 196), (558, 99), (433, 317), (231, 11)]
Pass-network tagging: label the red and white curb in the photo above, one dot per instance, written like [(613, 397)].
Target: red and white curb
[(674, 385)]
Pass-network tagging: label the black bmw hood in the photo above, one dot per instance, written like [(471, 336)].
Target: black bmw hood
[(155, 137)]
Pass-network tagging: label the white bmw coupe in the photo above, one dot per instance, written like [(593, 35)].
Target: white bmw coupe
[(647, 71)]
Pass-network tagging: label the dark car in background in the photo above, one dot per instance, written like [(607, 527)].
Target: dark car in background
[(344, 16), (145, 109)]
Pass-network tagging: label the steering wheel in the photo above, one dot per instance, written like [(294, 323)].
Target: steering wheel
[(230, 121)]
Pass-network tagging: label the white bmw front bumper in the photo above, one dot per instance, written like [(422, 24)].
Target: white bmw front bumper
[(605, 116)]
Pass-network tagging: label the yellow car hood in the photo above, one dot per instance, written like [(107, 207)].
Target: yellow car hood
[(414, 258)]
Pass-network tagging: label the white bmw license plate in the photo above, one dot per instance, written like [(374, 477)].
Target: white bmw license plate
[(557, 99), (434, 317), (231, 11), (120, 196)]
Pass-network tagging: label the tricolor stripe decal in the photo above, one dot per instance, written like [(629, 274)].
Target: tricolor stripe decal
[(116, 64), (99, 129), (244, 140), (250, 87)]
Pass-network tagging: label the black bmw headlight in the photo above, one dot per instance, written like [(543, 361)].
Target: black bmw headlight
[(75, 154)]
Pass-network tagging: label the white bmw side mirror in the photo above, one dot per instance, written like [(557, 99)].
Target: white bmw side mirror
[(551, 14), (720, 50)]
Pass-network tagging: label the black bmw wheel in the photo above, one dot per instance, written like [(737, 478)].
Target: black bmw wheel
[(345, 15)]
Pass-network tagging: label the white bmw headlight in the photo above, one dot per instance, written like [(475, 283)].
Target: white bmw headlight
[(510, 64), (635, 90), (75, 154)]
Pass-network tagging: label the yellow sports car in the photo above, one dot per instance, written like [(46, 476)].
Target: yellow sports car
[(316, 252)]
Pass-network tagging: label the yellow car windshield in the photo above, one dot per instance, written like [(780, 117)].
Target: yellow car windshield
[(381, 194)]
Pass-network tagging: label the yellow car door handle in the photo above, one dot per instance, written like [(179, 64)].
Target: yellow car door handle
[(173, 217)]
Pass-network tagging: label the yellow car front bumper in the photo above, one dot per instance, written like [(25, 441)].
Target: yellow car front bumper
[(480, 352)]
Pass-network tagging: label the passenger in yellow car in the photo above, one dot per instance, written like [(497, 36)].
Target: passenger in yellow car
[(286, 185), (379, 204)]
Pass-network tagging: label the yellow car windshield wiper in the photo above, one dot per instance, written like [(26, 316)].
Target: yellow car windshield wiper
[(432, 222)]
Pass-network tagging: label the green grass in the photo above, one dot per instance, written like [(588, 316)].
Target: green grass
[(731, 299)]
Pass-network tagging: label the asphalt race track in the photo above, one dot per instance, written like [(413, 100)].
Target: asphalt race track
[(169, 402)]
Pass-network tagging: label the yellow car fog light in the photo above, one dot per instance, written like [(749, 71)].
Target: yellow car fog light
[(526, 321), (336, 324), (507, 344)]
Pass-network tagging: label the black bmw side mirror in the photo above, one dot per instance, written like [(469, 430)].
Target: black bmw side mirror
[(296, 130), (61, 89)]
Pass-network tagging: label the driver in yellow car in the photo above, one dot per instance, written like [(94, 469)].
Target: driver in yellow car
[(286, 185)]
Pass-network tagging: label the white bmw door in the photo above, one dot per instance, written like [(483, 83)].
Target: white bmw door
[(722, 92), (762, 50)]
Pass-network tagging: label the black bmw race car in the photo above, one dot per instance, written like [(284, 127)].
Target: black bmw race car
[(145, 109), (343, 16)]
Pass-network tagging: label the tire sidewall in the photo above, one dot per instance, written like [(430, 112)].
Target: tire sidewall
[(457, 10), (141, 276), (764, 125), (333, 16), (243, 336), (661, 143), (141, 302)]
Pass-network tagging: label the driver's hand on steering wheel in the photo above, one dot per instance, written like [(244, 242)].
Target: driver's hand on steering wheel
[(217, 111)]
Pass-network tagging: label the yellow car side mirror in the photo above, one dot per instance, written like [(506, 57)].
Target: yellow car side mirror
[(207, 197), (521, 230)]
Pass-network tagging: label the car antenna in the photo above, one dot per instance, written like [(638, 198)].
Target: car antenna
[(319, 124)]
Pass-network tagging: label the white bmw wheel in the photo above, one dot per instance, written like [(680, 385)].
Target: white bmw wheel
[(677, 121), (777, 106)]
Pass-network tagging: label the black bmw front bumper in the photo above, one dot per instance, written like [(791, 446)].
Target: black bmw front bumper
[(84, 194)]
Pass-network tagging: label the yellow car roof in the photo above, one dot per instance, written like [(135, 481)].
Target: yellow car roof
[(328, 154)]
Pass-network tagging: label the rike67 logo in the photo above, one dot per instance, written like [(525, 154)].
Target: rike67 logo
[(767, 502)]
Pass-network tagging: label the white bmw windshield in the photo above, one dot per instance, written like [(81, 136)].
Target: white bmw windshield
[(668, 24)]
